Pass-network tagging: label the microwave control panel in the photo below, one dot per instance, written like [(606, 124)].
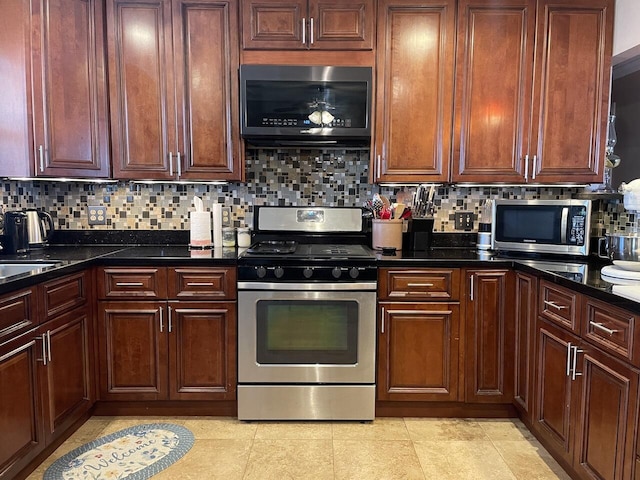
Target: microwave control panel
[(578, 232)]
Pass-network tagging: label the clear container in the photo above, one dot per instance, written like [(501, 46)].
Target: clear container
[(244, 237), (228, 237)]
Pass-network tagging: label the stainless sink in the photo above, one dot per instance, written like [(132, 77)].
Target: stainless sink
[(11, 269)]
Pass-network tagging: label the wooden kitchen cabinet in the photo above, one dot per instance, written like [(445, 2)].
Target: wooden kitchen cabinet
[(58, 82), (419, 334), (514, 123), (308, 24), (174, 91), (180, 346), (414, 99), (21, 422), (586, 407), (490, 338), (526, 287)]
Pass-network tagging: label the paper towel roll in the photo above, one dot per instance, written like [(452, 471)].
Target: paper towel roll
[(217, 224), (200, 229)]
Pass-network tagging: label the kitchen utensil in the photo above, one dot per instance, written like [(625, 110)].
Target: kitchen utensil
[(39, 227), (16, 234), (622, 250)]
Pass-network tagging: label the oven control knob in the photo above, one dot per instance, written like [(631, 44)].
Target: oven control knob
[(336, 272), (354, 272), (307, 272), (261, 272), (278, 272)]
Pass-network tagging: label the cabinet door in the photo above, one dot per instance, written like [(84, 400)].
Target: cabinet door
[(489, 337), (70, 113), (608, 415), (526, 287), (418, 346), (342, 25), (133, 350), (415, 57), (554, 393), (20, 419), (67, 376), (571, 89), (141, 89), (206, 68), (493, 90), (202, 345), (274, 24)]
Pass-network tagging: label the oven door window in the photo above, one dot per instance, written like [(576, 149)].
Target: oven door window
[(307, 332)]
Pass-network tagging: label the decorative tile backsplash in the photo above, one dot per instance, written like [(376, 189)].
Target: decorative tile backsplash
[(273, 177)]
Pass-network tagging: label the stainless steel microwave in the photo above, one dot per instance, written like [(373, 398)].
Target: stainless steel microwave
[(305, 105), (542, 226)]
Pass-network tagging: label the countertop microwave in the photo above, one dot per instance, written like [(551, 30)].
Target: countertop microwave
[(305, 105), (542, 226)]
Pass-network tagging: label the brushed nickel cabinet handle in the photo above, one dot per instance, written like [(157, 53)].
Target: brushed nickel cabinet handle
[(49, 345), (568, 359), (199, 284), (554, 305), (534, 165), (171, 164), (419, 312), (304, 31), (179, 165), (575, 373), (599, 326), (311, 31), (471, 288), (43, 338), (161, 320), (129, 284), (379, 166), (170, 324), (526, 168), (419, 284), (382, 320), (41, 155)]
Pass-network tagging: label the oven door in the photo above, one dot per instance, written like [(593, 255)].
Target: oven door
[(306, 336)]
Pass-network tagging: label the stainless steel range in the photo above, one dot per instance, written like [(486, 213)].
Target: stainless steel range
[(307, 317)]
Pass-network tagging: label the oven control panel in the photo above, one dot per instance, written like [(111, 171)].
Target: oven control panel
[(308, 273)]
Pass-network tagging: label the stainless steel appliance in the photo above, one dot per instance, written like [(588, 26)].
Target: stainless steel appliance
[(39, 226), (307, 317), (542, 226), (299, 105)]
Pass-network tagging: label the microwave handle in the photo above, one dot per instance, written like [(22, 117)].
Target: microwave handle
[(563, 225)]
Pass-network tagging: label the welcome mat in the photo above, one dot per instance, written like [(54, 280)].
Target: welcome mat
[(135, 453)]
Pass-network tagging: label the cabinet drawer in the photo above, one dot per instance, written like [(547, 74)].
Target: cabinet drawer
[(432, 284), (17, 313), (559, 305), (121, 282), (611, 328), (193, 282), (63, 294)]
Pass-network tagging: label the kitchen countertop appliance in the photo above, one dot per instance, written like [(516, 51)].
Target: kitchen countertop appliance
[(307, 317), (40, 227)]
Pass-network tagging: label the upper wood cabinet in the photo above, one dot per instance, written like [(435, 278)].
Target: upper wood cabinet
[(173, 68), (308, 24), (415, 59), (57, 81), (517, 123)]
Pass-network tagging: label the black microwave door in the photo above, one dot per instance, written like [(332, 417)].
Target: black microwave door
[(539, 224)]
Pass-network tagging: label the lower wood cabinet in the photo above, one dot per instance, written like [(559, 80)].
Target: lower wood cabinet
[(526, 287), (418, 349), (167, 349), (489, 336), (586, 405), (21, 423)]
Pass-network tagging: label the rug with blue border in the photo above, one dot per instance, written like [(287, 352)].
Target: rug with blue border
[(135, 453)]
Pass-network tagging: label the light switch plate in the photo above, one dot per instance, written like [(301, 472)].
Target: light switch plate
[(464, 220), (97, 215)]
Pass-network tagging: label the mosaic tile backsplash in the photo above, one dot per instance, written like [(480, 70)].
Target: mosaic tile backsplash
[(273, 177)]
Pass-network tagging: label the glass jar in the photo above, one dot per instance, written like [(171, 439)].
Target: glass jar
[(244, 237), (228, 237)]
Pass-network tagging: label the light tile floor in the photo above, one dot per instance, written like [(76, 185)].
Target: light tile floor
[(388, 448)]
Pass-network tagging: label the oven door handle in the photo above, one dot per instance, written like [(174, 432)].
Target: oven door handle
[(308, 286)]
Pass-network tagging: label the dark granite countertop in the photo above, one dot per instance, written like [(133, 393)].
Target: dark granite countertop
[(71, 258)]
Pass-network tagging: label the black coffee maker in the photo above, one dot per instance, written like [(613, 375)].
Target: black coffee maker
[(15, 238)]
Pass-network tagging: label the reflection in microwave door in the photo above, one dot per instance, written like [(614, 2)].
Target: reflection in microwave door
[(526, 240)]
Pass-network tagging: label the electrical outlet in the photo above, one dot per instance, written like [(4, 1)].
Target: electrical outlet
[(226, 216), (97, 215), (464, 220)]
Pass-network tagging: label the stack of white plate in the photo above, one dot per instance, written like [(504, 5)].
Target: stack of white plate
[(622, 273)]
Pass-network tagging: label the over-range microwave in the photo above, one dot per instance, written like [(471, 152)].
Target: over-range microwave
[(305, 105), (542, 226)]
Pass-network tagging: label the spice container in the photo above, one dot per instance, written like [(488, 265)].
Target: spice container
[(244, 237), (228, 237)]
